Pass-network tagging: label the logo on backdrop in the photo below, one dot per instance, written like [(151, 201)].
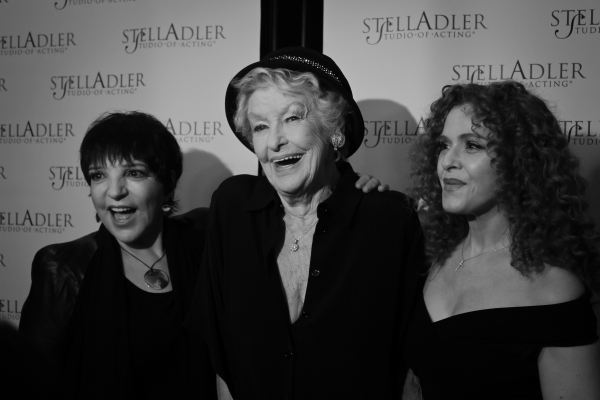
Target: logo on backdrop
[(194, 131), (41, 43), (61, 4), (3, 85), (545, 75), (34, 222), (10, 309), (171, 36), (66, 176), (423, 26), (2, 176), (578, 22), (581, 133), (96, 85), (391, 132), (35, 133), (2, 263)]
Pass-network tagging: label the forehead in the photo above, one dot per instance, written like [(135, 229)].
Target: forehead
[(271, 99), (457, 122)]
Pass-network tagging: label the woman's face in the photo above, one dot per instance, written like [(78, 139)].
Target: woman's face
[(292, 156), (464, 166), (129, 199)]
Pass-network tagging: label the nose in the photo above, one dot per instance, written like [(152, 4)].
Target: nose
[(117, 188), (450, 158), (276, 137)]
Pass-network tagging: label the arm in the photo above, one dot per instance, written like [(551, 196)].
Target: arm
[(570, 372), (44, 319), (368, 183)]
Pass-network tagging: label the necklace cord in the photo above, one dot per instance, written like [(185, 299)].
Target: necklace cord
[(462, 254), (150, 267)]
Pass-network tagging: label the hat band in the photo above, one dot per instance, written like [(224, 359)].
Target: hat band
[(309, 62)]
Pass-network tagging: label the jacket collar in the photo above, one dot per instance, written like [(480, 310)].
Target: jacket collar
[(343, 202)]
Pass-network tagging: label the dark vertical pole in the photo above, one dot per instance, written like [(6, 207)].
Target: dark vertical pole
[(286, 23)]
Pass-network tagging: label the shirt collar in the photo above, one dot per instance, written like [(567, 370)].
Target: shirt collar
[(343, 202)]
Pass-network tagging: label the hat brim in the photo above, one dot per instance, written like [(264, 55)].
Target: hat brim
[(354, 133)]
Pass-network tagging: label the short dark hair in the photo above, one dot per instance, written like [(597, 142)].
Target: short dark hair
[(539, 187), (129, 136)]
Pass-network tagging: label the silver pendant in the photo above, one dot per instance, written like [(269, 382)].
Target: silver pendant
[(156, 279), (294, 246), (460, 264)]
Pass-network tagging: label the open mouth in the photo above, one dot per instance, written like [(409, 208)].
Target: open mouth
[(121, 214), (286, 161)]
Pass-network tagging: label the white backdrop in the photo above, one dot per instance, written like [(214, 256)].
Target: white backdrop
[(64, 62), (397, 56)]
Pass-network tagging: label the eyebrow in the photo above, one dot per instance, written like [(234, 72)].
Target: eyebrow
[(465, 135), (285, 110), (125, 164)]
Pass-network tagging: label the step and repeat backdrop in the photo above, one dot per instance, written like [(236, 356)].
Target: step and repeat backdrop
[(65, 62), (397, 56)]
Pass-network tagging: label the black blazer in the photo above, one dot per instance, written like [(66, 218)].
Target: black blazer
[(56, 274)]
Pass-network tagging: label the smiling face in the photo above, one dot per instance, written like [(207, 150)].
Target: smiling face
[(464, 166), (293, 157), (128, 198)]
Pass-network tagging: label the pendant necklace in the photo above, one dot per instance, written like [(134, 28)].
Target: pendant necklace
[(294, 246), (460, 264), (153, 278)]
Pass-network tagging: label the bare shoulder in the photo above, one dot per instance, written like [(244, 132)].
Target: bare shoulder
[(557, 285)]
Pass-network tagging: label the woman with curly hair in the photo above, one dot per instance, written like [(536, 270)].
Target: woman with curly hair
[(505, 313)]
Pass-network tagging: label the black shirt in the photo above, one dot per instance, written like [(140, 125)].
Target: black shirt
[(366, 255), (154, 334)]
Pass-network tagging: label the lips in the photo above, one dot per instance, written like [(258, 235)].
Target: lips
[(121, 214), (452, 184), (287, 160)]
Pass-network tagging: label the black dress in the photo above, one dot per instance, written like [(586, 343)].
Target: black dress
[(492, 353)]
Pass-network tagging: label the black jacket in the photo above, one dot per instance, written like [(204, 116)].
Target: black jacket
[(57, 273)]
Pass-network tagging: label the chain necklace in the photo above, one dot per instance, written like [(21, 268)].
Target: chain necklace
[(460, 264), (294, 246), (153, 278)]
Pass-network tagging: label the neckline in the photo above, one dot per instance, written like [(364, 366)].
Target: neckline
[(495, 309), (142, 291)]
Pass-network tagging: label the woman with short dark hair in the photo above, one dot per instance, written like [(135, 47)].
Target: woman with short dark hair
[(504, 312), (118, 332)]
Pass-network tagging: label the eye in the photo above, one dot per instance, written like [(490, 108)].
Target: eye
[(472, 145), (259, 128), (292, 118), (136, 173), (443, 145), (95, 176)]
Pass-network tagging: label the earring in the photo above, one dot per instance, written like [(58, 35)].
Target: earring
[(97, 218), (337, 140), (166, 208)]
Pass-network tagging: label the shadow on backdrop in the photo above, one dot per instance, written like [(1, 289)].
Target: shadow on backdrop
[(390, 130), (203, 172)]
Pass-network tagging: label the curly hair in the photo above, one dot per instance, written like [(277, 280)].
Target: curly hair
[(539, 190), (325, 109)]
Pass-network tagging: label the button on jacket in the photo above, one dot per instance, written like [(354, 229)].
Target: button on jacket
[(367, 253)]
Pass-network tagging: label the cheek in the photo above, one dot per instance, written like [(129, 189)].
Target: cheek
[(260, 150), (95, 196)]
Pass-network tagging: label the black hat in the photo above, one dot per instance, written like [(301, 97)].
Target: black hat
[(304, 60)]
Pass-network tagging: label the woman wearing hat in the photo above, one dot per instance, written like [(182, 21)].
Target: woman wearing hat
[(306, 283)]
